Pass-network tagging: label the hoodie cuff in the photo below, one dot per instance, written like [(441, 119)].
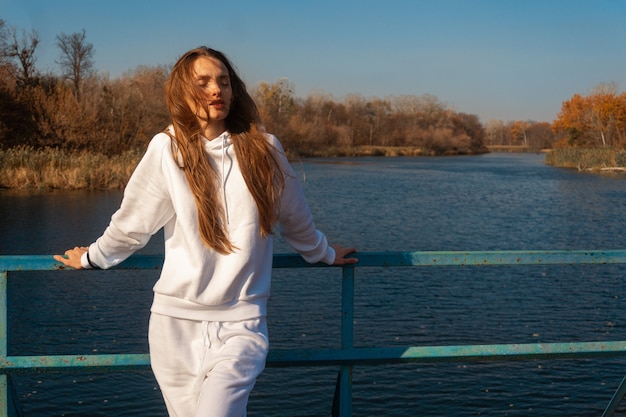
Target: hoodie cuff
[(87, 263), (84, 261), (330, 256)]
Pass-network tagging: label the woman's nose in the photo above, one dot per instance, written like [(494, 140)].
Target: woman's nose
[(214, 89)]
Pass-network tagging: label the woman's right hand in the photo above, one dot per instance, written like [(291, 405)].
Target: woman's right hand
[(72, 257), (340, 255)]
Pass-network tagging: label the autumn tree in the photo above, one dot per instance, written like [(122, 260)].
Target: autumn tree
[(76, 59), (496, 133), (367, 119), (518, 132), (540, 135), (276, 102), (377, 113), (319, 121), (608, 115), (132, 107), (18, 76), (468, 128), (596, 120), (405, 125)]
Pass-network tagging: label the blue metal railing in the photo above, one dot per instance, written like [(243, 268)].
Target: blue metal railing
[(347, 355)]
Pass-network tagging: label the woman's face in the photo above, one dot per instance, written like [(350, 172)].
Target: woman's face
[(214, 95)]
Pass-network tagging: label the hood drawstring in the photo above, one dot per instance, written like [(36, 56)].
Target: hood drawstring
[(225, 145)]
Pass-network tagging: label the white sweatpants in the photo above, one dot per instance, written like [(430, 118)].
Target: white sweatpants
[(207, 369)]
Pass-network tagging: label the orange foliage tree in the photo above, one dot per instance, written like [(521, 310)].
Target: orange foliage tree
[(596, 120)]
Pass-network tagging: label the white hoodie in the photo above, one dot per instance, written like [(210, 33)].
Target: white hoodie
[(196, 282)]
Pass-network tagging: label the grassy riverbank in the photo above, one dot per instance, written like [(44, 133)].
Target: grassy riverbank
[(46, 169), (41, 169), (595, 160), (356, 151)]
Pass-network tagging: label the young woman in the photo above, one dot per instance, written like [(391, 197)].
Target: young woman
[(219, 186)]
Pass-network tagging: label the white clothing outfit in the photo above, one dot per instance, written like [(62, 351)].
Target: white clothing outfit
[(208, 367), (198, 284)]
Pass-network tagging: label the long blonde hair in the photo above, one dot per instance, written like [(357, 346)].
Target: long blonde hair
[(257, 158)]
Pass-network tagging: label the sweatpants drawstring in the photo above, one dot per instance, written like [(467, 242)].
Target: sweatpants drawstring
[(205, 334)]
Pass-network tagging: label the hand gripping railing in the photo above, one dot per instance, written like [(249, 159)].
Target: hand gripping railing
[(345, 357)]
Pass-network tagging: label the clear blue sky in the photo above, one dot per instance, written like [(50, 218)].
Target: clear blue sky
[(498, 59)]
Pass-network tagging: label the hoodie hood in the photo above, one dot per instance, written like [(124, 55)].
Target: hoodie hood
[(218, 143)]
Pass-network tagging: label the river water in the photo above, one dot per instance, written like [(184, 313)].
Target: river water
[(489, 202)]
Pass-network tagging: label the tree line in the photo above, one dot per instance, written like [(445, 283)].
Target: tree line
[(319, 120), (593, 121), (78, 108), (81, 109)]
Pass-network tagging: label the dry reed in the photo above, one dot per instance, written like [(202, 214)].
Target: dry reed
[(596, 159), (28, 168)]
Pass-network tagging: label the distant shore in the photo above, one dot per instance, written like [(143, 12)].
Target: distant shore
[(49, 169), (510, 148), (360, 151)]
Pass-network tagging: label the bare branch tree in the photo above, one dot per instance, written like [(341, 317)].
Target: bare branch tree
[(76, 58), (4, 36), (22, 50)]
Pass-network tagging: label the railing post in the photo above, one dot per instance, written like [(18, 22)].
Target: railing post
[(4, 396), (9, 405), (347, 340), (4, 383), (616, 400)]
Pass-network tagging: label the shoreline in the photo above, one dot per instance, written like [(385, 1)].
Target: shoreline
[(52, 169), (25, 168)]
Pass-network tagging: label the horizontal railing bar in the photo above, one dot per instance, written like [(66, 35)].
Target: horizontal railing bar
[(14, 263), (326, 357), (463, 353), (385, 259), (66, 363), (470, 258)]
